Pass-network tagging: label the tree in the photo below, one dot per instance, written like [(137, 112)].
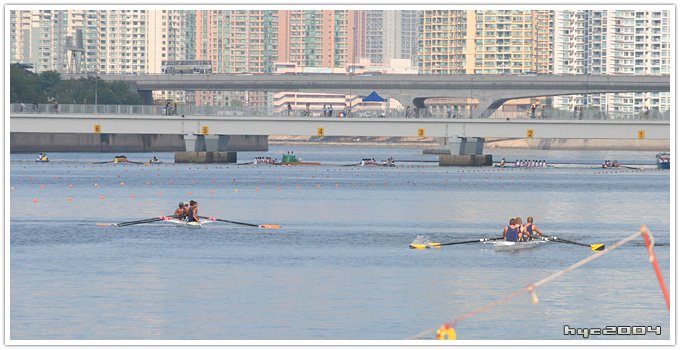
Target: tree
[(39, 88), (24, 86)]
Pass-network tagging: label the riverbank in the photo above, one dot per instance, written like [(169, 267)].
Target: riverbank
[(436, 143)]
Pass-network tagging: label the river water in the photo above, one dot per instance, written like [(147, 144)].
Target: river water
[(340, 266)]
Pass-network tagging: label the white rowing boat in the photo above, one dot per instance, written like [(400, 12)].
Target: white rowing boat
[(187, 224), (501, 246)]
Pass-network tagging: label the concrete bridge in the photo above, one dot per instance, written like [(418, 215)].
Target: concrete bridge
[(490, 90), (211, 134)]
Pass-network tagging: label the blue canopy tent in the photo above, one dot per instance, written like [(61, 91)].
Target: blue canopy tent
[(373, 97)]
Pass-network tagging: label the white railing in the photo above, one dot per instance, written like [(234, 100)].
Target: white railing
[(217, 111)]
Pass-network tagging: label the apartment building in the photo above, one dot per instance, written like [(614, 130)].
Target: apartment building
[(321, 38), (614, 42), (485, 42), (391, 35)]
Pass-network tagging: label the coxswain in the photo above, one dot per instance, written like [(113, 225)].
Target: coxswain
[(192, 215), (502, 163), (530, 228), (511, 232)]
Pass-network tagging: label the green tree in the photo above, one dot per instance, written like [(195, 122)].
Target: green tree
[(28, 87), (24, 86)]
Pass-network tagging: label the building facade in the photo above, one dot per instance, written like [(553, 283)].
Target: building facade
[(485, 42), (614, 42), (391, 35)]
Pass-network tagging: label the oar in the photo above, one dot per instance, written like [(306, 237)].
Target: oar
[(593, 247), (128, 223), (270, 226), (439, 245)]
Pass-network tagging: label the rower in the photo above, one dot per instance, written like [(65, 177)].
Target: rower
[(520, 227), (511, 232), (193, 211), (530, 228), (179, 212)]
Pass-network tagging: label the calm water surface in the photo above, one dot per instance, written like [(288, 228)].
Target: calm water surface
[(340, 267)]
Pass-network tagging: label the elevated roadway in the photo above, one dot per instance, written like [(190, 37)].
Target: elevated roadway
[(490, 90)]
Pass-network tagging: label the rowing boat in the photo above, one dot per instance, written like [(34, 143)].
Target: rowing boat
[(501, 246), (187, 224)]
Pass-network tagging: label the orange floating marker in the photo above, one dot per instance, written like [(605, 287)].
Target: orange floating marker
[(101, 197), (69, 199), (189, 193), (35, 200), (257, 189), (132, 195)]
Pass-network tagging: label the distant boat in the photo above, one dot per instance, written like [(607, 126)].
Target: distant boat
[(663, 160), (290, 159)]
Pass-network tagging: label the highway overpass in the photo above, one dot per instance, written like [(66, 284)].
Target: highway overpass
[(490, 90)]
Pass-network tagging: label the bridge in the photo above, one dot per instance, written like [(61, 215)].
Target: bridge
[(465, 136), (490, 90)]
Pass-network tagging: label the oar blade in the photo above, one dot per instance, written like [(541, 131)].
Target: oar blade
[(425, 245), (597, 247), (418, 246), (270, 226), (103, 224)]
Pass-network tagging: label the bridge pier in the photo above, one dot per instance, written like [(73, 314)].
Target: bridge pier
[(205, 149), (465, 151)]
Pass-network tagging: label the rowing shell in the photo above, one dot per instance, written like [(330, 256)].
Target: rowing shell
[(501, 246), (187, 224)]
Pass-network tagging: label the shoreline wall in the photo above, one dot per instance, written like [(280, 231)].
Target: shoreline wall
[(438, 144)]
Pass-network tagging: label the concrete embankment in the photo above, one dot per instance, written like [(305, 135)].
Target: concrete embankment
[(432, 145), (580, 144), (73, 142)]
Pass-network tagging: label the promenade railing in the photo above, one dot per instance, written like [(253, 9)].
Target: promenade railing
[(435, 113)]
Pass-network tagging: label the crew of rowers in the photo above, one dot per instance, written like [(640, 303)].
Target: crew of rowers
[(524, 163), (612, 164), (265, 160), (187, 211), (42, 157), (530, 163), (516, 232), (368, 161), (372, 161)]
